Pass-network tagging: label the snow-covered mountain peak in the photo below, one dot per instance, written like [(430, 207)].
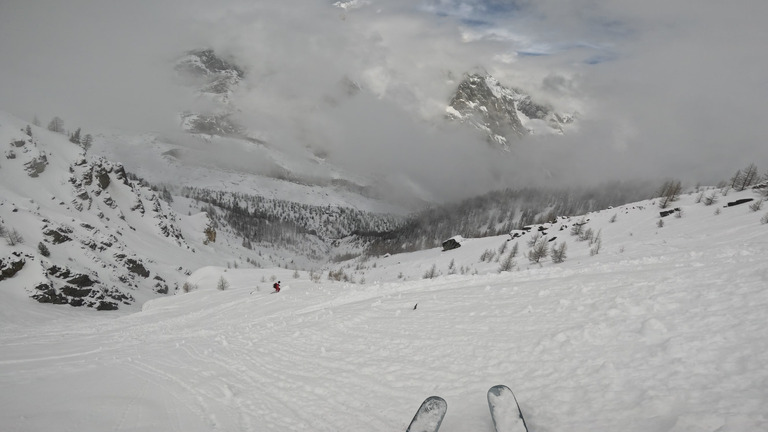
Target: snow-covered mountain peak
[(215, 79), (503, 113), (212, 73)]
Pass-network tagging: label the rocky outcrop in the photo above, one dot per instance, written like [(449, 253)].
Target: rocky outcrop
[(64, 286), (136, 267), (58, 235), (36, 166), (11, 265)]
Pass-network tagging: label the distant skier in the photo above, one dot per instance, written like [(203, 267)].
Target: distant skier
[(276, 286)]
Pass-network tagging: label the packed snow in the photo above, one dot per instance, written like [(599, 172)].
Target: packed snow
[(663, 329)]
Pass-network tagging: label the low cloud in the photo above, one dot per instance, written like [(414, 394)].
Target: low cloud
[(662, 89)]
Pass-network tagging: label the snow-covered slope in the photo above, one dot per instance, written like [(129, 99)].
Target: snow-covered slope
[(242, 166), (83, 230), (660, 329), (80, 232)]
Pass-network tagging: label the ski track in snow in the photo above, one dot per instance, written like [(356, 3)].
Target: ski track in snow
[(667, 336)]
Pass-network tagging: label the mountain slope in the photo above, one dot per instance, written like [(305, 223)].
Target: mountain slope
[(662, 329), (85, 234)]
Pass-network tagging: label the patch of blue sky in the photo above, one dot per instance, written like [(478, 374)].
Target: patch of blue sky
[(611, 28), (600, 58), (494, 19), (476, 23), (501, 7), (533, 53), (592, 54), (595, 53), (474, 13)]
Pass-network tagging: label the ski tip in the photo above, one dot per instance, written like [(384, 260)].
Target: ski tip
[(499, 389), (429, 415), (501, 401), (435, 403)]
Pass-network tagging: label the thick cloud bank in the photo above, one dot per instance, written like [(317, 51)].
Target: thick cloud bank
[(662, 89)]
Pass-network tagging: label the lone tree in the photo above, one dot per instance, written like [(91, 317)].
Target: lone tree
[(749, 177), (431, 273), (75, 137), (86, 142), (669, 192), (558, 253), (223, 284), (13, 237), (578, 228), (539, 251), (43, 249), (508, 263), (56, 125)]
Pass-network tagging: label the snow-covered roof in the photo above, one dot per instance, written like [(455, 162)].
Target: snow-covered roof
[(456, 238)]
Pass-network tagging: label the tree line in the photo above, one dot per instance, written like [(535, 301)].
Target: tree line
[(307, 229), (499, 212)]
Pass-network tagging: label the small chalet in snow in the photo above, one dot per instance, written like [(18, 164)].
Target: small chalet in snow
[(453, 242)]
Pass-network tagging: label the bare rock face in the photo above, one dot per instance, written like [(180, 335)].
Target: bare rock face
[(495, 113), (66, 287), (503, 113)]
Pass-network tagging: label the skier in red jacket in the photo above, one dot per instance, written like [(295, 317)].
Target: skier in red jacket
[(276, 286)]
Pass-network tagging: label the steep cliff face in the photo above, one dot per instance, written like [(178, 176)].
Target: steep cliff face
[(503, 113)]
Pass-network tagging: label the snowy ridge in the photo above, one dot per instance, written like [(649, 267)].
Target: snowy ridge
[(240, 165), (662, 329)]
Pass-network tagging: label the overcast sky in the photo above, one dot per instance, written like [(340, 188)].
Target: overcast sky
[(670, 89)]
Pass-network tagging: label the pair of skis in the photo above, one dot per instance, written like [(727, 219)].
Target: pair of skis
[(505, 412)]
